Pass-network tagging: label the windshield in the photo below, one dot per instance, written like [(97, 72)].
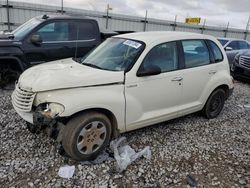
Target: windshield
[(114, 54), (25, 28), (223, 41)]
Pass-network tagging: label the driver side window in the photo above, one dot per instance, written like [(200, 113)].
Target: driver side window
[(164, 56), (55, 31)]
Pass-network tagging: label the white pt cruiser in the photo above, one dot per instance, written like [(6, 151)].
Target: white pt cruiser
[(128, 82)]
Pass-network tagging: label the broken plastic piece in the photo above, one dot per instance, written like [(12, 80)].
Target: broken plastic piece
[(66, 171), (125, 155), (104, 156)]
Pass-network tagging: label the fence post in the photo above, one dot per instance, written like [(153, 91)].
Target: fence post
[(145, 20), (8, 14), (62, 7), (225, 35), (203, 27), (248, 22), (175, 21), (107, 16)]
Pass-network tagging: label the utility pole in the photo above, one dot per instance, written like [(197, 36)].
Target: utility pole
[(225, 35), (8, 14), (145, 20), (107, 16), (62, 7), (203, 27), (247, 27)]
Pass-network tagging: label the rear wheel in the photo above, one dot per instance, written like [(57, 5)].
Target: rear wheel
[(86, 135), (214, 104)]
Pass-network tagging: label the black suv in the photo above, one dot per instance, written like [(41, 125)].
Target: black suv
[(241, 65), (47, 38)]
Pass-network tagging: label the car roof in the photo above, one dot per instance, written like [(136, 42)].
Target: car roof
[(230, 39), (60, 16), (153, 36)]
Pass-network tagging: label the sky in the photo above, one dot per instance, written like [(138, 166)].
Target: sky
[(216, 12)]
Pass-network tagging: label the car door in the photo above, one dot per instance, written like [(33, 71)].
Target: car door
[(200, 67), (55, 42), (86, 36), (155, 98)]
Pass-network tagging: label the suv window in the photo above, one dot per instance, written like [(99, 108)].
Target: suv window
[(55, 31), (86, 31), (216, 51), (195, 53), (234, 45), (243, 45), (163, 56)]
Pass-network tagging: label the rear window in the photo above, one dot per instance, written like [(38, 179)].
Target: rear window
[(218, 57), (223, 41), (195, 53)]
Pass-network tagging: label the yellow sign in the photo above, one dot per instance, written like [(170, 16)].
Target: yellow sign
[(193, 20)]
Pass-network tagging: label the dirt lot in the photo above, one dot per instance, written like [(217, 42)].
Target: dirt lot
[(186, 151)]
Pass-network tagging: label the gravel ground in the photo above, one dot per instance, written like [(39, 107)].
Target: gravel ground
[(186, 151)]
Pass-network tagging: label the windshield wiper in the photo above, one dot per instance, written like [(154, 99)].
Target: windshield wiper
[(92, 65)]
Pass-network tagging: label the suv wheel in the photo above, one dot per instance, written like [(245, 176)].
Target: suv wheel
[(214, 104), (86, 135)]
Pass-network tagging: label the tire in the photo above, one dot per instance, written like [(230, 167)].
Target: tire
[(86, 135), (214, 104), (8, 77)]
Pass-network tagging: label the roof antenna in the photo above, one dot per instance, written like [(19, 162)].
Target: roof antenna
[(77, 33)]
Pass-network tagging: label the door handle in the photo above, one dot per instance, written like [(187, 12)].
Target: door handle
[(212, 72), (177, 79)]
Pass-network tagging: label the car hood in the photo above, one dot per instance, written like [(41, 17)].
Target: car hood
[(8, 40), (246, 53), (64, 74)]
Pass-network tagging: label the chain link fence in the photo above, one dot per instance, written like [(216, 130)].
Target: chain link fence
[(13, 14)]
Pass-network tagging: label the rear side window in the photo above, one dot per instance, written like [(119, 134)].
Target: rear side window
[(196, 53), (86, 31), (218, 57), (164, 56)]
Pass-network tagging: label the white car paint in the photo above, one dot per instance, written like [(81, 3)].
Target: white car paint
[(66, 74), (134, 101)]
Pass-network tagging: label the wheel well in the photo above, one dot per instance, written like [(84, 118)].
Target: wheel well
[(225, 88), (109, 114), (11, 63)]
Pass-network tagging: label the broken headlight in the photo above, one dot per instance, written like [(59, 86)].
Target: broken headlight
[(50, 110)]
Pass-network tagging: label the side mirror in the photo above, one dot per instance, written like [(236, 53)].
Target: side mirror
[(36, 39), (148, 71), (228, 48)]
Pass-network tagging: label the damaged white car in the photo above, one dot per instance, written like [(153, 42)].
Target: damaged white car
[(128, 82)]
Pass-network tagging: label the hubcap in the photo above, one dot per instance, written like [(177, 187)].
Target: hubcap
[(215, 103), (91, 137)]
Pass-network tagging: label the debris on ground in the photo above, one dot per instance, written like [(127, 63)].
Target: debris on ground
[(215, 152), (104, 156), (191, 181), (66, 171), (125, 155)]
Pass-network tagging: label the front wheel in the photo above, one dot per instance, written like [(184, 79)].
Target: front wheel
[(86, 135), (214, 104)]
